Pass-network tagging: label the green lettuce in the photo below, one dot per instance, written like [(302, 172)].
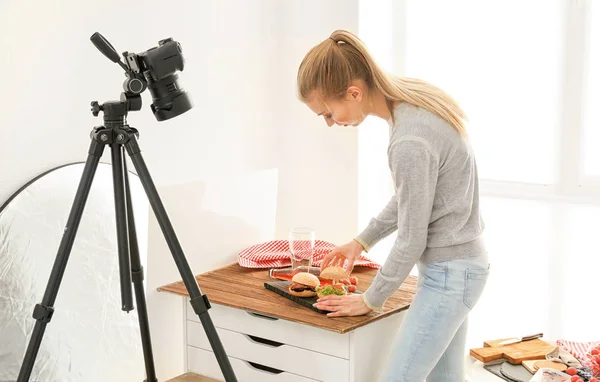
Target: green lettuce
[(327, 290)]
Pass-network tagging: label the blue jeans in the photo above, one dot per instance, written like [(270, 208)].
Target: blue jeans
[(430, 344)]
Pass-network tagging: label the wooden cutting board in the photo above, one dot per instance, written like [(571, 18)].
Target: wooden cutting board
[(533, 365), (514, 353)]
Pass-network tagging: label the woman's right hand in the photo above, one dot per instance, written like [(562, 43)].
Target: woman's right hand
[(343, 256)]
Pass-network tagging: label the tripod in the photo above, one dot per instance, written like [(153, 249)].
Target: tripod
[(119, 136)]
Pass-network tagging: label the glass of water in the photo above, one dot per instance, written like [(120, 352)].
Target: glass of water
[(302, 247)]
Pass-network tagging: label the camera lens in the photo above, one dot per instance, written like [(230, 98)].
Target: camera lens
[(169, 99)]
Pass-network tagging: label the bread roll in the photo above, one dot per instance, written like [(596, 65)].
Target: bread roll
[(334, 273)]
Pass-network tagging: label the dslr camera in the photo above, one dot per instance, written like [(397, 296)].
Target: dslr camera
[(155, 69)]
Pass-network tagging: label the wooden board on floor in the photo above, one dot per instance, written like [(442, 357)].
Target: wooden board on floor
[(514, 353), (192, 377)]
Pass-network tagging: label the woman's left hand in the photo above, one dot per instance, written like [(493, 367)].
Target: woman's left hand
[(348, 305)]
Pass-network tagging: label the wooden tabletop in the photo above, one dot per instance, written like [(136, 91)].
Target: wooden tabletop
[(243, 288)]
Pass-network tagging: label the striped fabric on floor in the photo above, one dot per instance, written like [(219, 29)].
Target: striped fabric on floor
[(582, 351)]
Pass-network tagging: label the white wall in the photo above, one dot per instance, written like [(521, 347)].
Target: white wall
[(241, 64), (313, 183), (214, 219), (382, 34), (52, 71), (318, 165), (247, 124)]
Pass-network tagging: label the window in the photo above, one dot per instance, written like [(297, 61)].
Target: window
[(517, 291), (528, 75), (505, 73), (591, 111), (576, 272)]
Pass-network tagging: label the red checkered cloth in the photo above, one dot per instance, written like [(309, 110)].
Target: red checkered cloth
[(276, 254), (583, 352)]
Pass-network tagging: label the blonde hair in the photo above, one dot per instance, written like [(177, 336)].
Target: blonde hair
[(330, 67)]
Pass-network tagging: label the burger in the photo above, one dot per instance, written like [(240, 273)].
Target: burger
[(304, 284), (334, 273)]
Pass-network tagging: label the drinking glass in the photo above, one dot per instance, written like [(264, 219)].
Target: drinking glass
[(302, 247)]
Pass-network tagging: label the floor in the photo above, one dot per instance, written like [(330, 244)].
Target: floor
[(191, 377), (479, 374)]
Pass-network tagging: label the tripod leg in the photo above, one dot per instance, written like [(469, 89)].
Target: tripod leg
[(42, 312), (198, 300), (137, 275), (121, 216)]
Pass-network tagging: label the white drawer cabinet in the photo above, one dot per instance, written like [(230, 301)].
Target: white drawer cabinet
[(272, 339), (277, 355), (263, 348), (278, 330), (199, 359)]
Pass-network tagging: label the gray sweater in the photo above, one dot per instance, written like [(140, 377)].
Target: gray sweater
[(435, 208)]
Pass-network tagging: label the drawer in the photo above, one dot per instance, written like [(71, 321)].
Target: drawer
[(204, 362), (295, 360), (275, 329)]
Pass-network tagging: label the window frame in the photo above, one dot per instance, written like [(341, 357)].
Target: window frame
[(572, 184)]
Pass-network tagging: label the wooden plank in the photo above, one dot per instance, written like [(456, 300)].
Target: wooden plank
[(243, 288), (192, 377), (513, 353)]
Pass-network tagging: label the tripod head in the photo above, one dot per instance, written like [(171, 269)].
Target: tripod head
[(155, 69)]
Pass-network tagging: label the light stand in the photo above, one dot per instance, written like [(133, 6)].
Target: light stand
[(119, 136)]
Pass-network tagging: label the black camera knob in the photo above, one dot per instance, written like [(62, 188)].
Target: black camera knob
[(95, 108), (135, 86)]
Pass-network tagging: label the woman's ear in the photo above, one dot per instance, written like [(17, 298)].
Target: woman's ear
[(354, 93)]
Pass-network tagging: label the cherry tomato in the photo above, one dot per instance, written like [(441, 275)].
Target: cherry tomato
[(571, 371), (352, 288), (345, 282), (353, 280)]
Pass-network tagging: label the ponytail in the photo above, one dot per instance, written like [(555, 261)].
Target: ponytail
[(330, 67)]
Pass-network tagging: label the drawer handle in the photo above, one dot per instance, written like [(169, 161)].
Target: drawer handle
[(267, 369), (263, 341), (262, 316)]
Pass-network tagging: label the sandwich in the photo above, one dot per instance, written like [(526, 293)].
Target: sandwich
[(304, 284), (334, 273)]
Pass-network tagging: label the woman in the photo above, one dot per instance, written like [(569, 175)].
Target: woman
[(435, 209)]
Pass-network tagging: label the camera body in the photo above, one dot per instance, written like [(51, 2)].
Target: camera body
[(158, 62), (159, 66), (155, 69)]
